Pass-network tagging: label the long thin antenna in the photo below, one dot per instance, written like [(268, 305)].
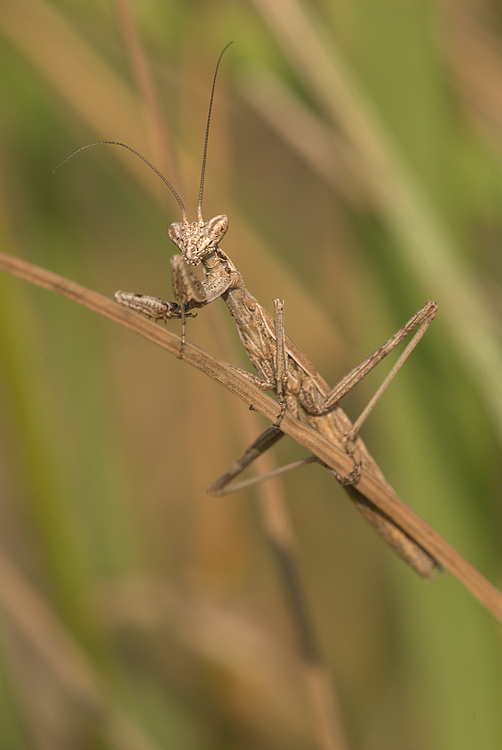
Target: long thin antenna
[(159, 174), (204, 156), (124, 145)]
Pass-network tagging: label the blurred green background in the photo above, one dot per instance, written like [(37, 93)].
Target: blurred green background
[(356, 148)]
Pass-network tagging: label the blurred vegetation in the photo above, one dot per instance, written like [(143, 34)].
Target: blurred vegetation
[(356, 148)]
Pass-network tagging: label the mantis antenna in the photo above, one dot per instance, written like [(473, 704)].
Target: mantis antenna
[(157, 172)]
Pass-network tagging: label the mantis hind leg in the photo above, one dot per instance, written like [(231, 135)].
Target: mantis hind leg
[(221, 486)]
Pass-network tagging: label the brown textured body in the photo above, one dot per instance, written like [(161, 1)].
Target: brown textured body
[(305, 392)]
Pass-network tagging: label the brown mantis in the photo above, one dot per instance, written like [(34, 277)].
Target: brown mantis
[(281, 365)]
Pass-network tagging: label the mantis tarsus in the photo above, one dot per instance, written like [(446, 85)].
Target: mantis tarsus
[(281, 365)]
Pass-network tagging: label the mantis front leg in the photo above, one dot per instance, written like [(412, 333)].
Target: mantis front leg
[(189, 291)]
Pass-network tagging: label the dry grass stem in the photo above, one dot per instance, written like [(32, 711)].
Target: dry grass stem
[(385, 499)]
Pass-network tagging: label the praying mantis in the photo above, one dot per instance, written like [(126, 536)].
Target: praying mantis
[(281, 365)]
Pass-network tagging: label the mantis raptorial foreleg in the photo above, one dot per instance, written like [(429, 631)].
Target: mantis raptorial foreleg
[(190, 293)]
